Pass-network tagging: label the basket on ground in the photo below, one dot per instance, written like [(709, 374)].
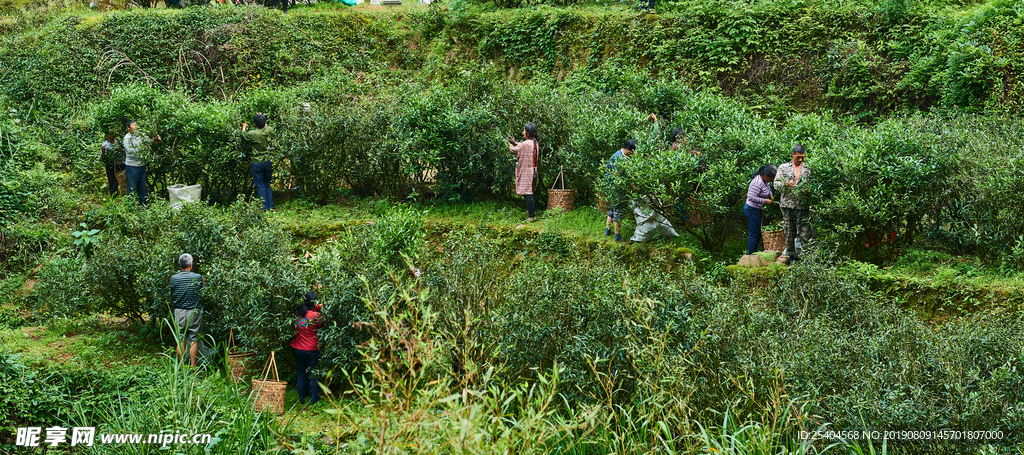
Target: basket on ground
[(269, 393), (773, 240), (122, 182), (238, 361), (561, 197)]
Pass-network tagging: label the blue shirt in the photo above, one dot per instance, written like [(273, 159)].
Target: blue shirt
[(613, 161)]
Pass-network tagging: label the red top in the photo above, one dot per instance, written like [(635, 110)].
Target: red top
[(305, 332)]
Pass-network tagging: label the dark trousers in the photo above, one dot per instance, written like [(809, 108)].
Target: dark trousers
[(530, 207), (136, 177), (754, 216), (261, 175), (305, 362), (273, 4), (112, 170)]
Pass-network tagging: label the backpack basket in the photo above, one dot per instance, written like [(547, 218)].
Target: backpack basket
[(561, 197), (269, 393)]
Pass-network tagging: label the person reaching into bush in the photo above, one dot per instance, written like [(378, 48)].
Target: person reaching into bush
[(134, 164), (759, 194), (789, 182), (677, 142), (527, 156), (307, 347), (113, 160), (618, 205), (257, 141), (188, 309)]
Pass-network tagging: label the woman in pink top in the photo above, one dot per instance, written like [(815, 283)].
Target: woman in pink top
[(307, 348), (527, 155)]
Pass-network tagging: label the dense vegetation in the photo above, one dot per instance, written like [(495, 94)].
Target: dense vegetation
[(468, 335), (862, 57), (632, 337)]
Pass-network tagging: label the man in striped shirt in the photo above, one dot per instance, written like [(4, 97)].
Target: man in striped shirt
[(188, 310)]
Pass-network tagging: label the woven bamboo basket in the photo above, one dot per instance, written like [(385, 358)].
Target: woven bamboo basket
[(773, 240), (561, 197), (269, 393), (122, 182), (238, 360)]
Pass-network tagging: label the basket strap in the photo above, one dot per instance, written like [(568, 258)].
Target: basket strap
[(559, 177), (231, 339), (271, 362)]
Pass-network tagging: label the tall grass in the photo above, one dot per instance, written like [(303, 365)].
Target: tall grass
[(189, 401)]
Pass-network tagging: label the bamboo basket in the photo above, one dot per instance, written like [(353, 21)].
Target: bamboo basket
[(238, 361), (773, 240), (561, 197), (122, 182), (269, 393)]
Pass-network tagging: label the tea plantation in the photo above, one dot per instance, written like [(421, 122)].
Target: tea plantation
[(450, 324)]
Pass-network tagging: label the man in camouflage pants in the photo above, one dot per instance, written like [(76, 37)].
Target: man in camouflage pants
[(789, 183)]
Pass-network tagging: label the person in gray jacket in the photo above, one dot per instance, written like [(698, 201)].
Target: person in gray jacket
[(134, 165), (790, 183)]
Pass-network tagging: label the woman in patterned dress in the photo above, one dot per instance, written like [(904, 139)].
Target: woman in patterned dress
[(527, 155)]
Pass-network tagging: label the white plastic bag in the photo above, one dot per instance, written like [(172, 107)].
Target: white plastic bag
[(650, 224), (181, 194)]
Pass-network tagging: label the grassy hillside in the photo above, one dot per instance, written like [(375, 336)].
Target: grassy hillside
[(861, 58)]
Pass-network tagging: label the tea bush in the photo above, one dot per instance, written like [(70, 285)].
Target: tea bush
[(343, 134), (120, 281), (62, 290)]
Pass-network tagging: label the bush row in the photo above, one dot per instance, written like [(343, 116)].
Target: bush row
[(947, 179)]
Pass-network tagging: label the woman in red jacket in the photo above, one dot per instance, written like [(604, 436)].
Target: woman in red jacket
[(307, 348)]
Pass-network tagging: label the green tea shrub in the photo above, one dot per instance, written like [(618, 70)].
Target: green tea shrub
[(338, 267), (62, 290), (253, 286), (457, 125), (888, 369), (889, 179), (364, 263), (250, 282)]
